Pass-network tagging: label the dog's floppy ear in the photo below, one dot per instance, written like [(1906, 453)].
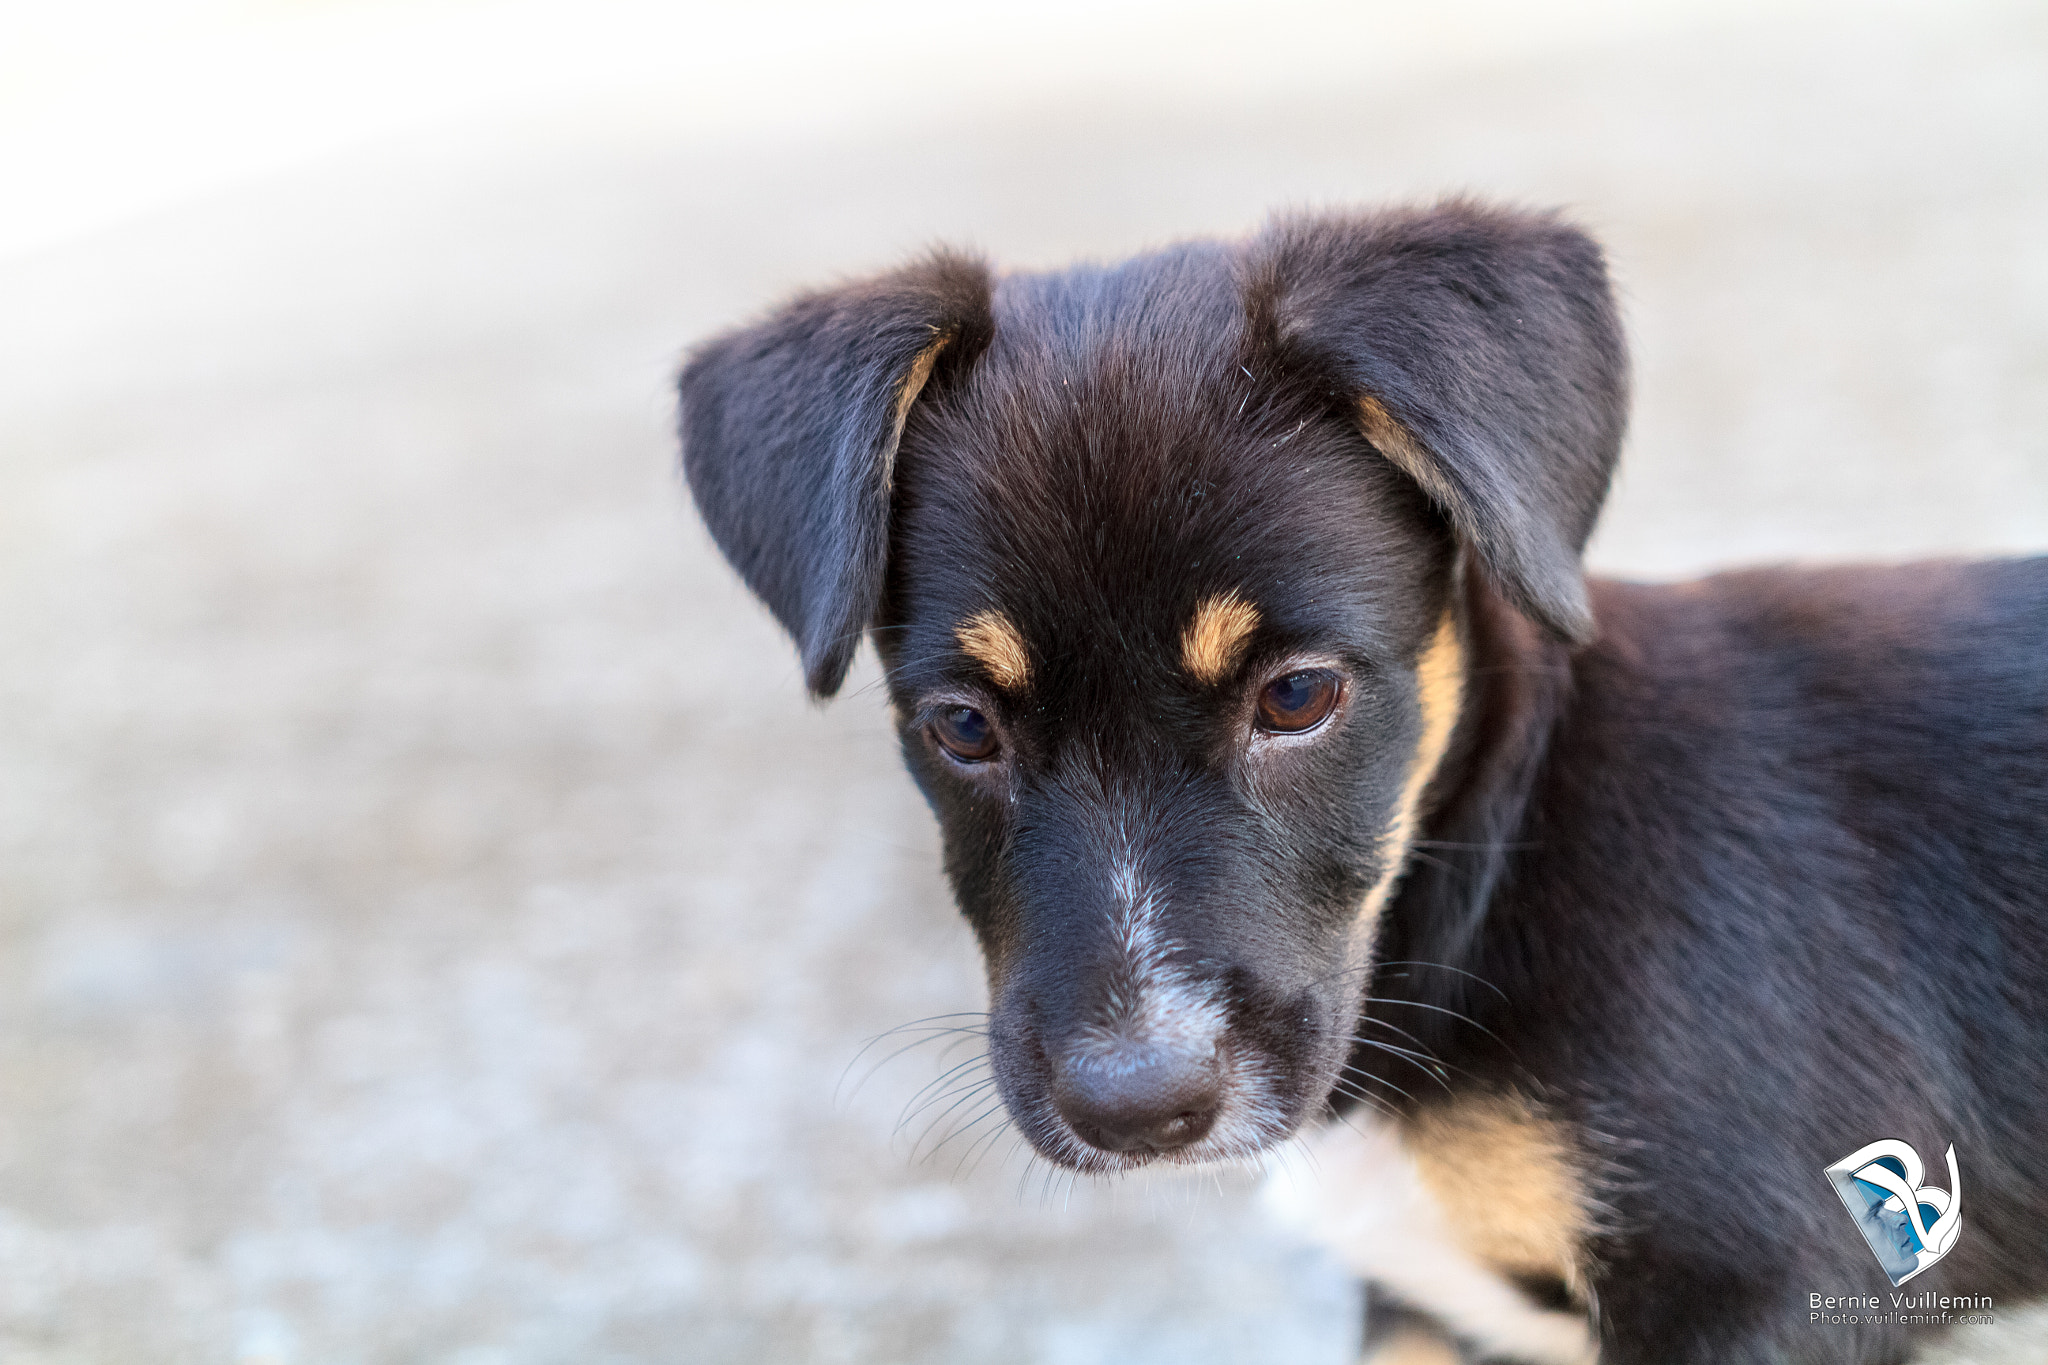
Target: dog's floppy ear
[(790, 430), (1482, 353)]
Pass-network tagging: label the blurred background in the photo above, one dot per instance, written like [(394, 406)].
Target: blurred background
[(433, 925)]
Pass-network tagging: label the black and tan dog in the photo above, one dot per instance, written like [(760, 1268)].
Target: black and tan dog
[(1232, 610)]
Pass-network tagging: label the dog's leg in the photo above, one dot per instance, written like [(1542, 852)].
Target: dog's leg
[(1396, 1334), (1358, 1194)]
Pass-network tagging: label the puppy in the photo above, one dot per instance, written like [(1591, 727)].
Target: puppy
[(1231, 604)]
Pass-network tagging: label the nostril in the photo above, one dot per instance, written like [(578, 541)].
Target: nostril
[(1135, 1096)]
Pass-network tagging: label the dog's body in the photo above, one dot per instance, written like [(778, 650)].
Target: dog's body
[(1231, 604), (1776, 890)]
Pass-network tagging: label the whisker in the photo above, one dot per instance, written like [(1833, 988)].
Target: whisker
[(958, 1131), (1367, 1098), (941, 1079), (1308, 1157), (931, 1036), (965, 1093), (950, 1123), (1388, 1024), (1414, 1059), (1396, 1000), (1447, 967), (1033, 1160), (981, 1145), (928, 1025), (1329, 1111), (962, 1039)]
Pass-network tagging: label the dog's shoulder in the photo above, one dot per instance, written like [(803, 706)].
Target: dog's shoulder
[(1871, 738), (1933, 664), (1919, 616)]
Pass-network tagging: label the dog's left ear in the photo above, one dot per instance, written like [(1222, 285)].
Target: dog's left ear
[(1482, 353), (790, 429)]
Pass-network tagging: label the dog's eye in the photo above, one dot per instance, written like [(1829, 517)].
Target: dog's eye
[(965, 733), (1299, 701)]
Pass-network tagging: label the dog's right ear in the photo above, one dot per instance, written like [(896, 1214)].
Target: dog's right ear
[(1480, 351), (790, 430)]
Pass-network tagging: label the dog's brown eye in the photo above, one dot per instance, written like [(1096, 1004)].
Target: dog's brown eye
[(965, 733), (1299, 701)]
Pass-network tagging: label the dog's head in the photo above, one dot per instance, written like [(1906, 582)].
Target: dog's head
[(1166, 562)]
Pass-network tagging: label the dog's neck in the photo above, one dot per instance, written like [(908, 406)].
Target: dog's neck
[(1518, 687)]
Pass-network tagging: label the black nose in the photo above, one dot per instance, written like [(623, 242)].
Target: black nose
[(1132, 1096)]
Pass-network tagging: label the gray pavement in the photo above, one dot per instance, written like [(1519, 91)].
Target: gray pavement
[(433, 925)]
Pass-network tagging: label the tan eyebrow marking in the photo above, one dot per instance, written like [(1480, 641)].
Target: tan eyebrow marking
[(995, 644), (1217, 634), (1440, 683)]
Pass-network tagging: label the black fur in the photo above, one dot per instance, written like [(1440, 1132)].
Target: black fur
[(1749, 880), (1494, 340), (790, 425), (1779, 887)]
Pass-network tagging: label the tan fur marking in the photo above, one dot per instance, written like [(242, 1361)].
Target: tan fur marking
[(1440, 683), (995, 644), (914, 380), (1216, 635), (1393, 440), (1362, 1195), (1506, 1179)]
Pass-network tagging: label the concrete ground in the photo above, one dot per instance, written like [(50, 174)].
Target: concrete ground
[(433, 925)]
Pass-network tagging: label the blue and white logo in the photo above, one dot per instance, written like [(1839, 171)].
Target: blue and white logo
[(1909, 1225)]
